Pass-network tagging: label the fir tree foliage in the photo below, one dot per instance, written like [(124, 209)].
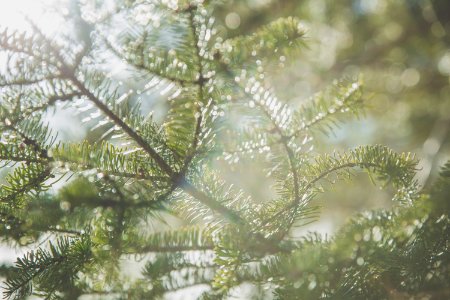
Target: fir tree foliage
[(143, 171), (52, 270)]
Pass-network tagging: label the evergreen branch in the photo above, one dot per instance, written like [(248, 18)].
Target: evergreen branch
[(51, 100), (158, 290), (284, 140), (167, 265), (64, 97), (260, 270), (277, 113), (176, 8), (170, 249), (18, 153), (22, 181), (362, 259), (144, 67), (66, 72), (82, 193), (387, 165), (233, 199), (107, 159), (49, 270), (21, 104), (282, 36), (63, 230), (295, 177), (20, 43), (260, 142), (279, 116), (200, 84), (33, 219), (180, 122), (23, 81), (338, 99), (396, 254), (33, 133), (177, 180), (24, 226), (210, 202), (186, 239), (27, 178), (119, 122), (119, 226)]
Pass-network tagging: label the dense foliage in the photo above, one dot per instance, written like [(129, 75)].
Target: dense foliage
[(151, 189)]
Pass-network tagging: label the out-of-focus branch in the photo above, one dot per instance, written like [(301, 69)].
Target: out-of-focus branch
[(431, 148)]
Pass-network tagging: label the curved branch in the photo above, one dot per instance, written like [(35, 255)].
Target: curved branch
[(313, 182), (200, 84)]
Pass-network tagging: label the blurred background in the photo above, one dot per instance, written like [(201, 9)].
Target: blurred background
[(400, 47), (402, 50)]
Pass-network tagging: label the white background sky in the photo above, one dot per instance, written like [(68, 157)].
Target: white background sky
[(13, 12)]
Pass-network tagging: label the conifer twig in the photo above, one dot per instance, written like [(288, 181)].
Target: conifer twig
[(177, 179), (200, 82)]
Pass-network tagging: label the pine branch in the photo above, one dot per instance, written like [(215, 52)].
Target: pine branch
[(282, 36), (63, 230), (154, 70), (136, 137), (166, 264), (200, 84), (284, 140), (22, 181), (106, 158), (67, 72), (23, 81), (185, 239), (383, 162), (177, 180), (318, 113), (120, 186), (28, 45), (51, 270), (18, 153)]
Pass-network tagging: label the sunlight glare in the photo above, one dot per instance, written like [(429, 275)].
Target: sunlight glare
[(13, 14)]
